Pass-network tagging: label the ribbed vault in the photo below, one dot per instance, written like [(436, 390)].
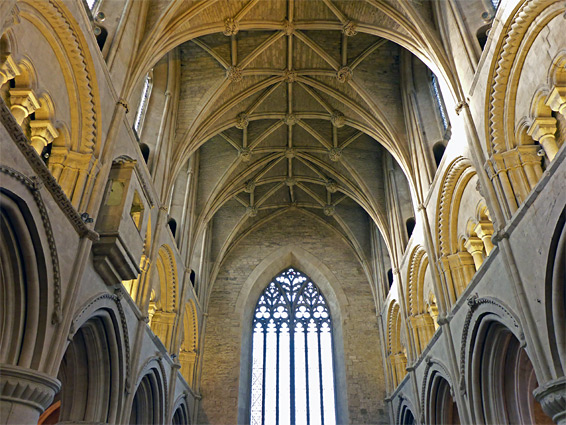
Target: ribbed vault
[(290, 104)]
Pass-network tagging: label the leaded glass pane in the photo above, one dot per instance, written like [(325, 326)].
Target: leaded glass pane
[(292, 370)]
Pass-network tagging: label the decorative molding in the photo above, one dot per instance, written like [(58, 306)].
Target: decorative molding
[(474, 302), (34, 186), (505, 57), (39, 167), (552, 397), (117, 298), (30, 387)]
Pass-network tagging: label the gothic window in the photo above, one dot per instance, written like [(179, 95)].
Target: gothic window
[(292, 362), (439, 102), (144, 101), (91, 4)]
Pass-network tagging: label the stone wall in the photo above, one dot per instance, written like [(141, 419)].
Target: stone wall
[(221, 369)]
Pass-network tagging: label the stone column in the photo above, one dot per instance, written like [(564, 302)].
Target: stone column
[(484, 229), (542, 130), (42, 133), (552, 397), (24, 102), (187, 360), (399, 366), (24, 394), (162, 325), (474, 245)]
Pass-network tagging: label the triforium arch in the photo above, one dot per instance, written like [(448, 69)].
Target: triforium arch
[(180, 412), (329, 286), (405, 413), (149, 404), (438, 404), (499, 376), (94, 368), (463, 238), (188, 353), (421, 306), (514, 133), (396, 344), (27, 280), (555, 295), (164, 307), (66, 74)]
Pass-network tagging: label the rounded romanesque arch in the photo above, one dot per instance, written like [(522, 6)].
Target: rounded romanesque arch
[(181, 412), (397, 350), (419, 311), (94, 368), (149, 404), (165, 302), (437, 398), (189, 345), (500, 376), (555, 294), (25, 281), (463, 239), (65, 73)]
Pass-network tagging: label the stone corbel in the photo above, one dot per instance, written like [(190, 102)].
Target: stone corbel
[(42, 133), (24, 102), (542, 130), (557, 100), (8, 70)]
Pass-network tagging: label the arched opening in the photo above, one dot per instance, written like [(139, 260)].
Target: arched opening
[(145, 151), (442, 408), (438, 152), (172, 223), (52, 413), (390, 277), (181, 415), (410, 225), (24, 293), (292, 356), (148, 405), (101, 34), (406, 416), (506, 378), (90, 372), (555, 297)]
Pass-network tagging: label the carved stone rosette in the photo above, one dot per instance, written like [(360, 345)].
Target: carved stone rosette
[(552, 397), (25, 394)]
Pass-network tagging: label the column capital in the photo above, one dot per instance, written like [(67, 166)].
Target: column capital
[(26, 388), (24, 102), (542, 129), (557, 100), (42, 133), (9, 69), (552, 397)]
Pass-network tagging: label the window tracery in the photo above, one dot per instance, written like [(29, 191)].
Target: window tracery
[(292, 362)]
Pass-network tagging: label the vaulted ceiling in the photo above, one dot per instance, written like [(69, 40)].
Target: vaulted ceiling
[(292, 104)]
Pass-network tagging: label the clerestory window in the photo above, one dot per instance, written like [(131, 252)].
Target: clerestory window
[(144, 101), (292, 360), (439, 102)]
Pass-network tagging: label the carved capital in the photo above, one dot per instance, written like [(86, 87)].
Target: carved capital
[(29, 387), (234, 74), (290, 119), (552, 397), (335, 154), (24, 102), (331, 186), (242, 120), (42, 133), (337, 119), (9, 69), (542, 130), (245, 154), (350, 29), (557, 100), (344, 74), (329, 210), (231, 27)]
